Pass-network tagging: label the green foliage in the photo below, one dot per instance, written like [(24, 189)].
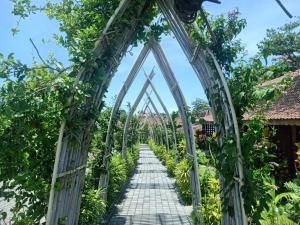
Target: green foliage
[(132, 156), (283, 42), (117, 176), (181, 149), (182, 176), (198, 106), (170, 163), (292, 206), (92, 207), (201, 157), (159, 150), (31, 110), (224, 44), (210, 196), (276, 213)]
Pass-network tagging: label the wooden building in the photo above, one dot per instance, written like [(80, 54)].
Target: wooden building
[(284, 115)]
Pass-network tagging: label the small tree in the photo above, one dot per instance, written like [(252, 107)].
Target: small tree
[(198, 106), (284, 43)]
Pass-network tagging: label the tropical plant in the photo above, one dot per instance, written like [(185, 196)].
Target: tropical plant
[(92, 207), (170, 163), (276, 212), (210, 207), (283, 42), (182, 176), (117, 176)]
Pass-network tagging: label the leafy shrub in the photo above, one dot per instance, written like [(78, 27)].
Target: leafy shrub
[(182, 176), (135, 152), (210, 196), (293, 205), (278, 212), (117, 176), (170, 163), (181, 150), (201, 157), (130, 163), (132, 156), (159, 150), (92, 207)]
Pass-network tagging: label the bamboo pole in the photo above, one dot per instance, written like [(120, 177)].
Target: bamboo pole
[(187, 125), (197, 58), (131, 112), (65, 192), (103, 180), (168, 116), (161, 120)]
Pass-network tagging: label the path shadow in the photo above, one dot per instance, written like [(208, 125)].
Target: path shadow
[(150, 219)]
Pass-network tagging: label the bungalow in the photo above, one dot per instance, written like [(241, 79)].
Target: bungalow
[(284, 115)]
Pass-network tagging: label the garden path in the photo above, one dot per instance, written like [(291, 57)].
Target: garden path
[(150, 197)]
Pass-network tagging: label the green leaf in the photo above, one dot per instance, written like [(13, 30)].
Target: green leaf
[(14, 31)]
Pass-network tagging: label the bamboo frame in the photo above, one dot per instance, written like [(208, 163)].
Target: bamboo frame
[(131, 112), (187, 125), (64, 203), (168, 116), (65, 192), (160, 139), (161, 120), (229, 126), (103, 180)]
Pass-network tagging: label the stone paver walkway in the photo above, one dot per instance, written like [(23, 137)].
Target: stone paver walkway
[(150, 198)]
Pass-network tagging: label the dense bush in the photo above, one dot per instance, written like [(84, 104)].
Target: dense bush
[(210, 187), (210, 196), (132, 156), (170, 163), (282, 208), (182, 176), (119, 170), (202, 158), (92, 207), (117, 175)]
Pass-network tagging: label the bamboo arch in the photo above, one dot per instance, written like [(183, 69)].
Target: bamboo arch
[(70, 160), (137, 101), (168, 116)]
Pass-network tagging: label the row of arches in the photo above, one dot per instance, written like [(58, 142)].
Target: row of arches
[(75, 157)]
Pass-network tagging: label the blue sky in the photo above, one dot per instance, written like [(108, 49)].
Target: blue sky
[(260, 15)]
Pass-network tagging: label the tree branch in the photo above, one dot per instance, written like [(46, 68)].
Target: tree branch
[(44, 62)]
